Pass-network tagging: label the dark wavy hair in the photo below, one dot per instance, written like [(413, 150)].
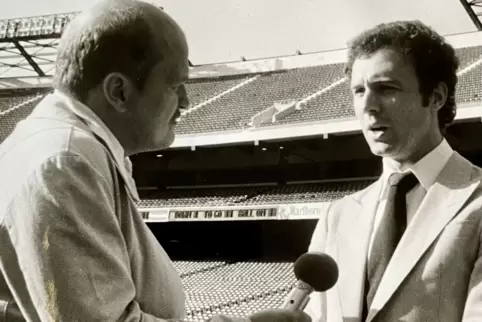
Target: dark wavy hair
[(432, 57)]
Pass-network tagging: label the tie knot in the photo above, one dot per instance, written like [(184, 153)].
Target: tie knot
[(406, 179)]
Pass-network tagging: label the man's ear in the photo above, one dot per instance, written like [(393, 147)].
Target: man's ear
[(439, 96), (118, 90)]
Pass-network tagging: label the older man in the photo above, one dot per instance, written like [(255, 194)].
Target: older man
[(73, 246), (409, 246)]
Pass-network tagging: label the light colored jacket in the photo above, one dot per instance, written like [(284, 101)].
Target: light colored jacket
[(435, 273), (73, 246)]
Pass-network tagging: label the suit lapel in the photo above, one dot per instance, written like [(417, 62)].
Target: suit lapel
[(353, 239), (443, 201)]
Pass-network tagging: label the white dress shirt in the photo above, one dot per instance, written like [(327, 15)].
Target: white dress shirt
[(426, 170)]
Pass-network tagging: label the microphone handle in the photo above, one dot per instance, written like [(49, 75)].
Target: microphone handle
[(298, 297)]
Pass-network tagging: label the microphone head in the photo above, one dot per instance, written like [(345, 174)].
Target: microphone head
[(318, 270)]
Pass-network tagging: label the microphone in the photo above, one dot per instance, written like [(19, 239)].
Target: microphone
[(315, 272)]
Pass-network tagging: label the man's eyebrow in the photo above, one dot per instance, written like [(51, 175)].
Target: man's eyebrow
[(378, 82), (386, 81)]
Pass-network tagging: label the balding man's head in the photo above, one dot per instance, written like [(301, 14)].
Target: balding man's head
[(124, 36), (128, 61)]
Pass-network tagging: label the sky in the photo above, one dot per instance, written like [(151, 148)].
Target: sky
[(226, 30)]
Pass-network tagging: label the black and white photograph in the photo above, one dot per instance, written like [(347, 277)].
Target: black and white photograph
[(240, 161)]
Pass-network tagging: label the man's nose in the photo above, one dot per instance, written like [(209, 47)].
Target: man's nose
[(183, 102), (370, 102)]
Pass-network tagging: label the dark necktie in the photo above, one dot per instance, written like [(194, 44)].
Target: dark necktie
[(389, 232)]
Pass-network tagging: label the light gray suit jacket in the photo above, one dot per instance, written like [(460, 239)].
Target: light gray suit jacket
[(435, 273), (73, 246)]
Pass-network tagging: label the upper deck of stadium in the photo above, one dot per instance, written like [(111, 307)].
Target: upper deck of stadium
[(245, 101), (267, 99)]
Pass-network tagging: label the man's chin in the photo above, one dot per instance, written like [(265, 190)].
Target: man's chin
[(381, 149), (167, 140)]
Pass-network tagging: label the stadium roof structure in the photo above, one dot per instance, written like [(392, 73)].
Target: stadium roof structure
[(28, 46), (474, 10)]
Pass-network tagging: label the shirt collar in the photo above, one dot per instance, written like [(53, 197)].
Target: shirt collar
[(426, 169), (100, 129)]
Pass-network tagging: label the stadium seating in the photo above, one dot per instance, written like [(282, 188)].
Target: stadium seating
[(15, 106), (468, 55), (235, 289), (337, 103), (200, 90), (200, 196), (291, 193), (188, 268), (11, 98), (332, 105), (309, 192), (469, 87), (256, 92), (234, 110)]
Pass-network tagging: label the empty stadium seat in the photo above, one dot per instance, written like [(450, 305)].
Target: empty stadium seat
[(468, 55), (200, 197), (469, 87), (200, 90), (234, 110), (337, 102), (292, 193), (16, 106), (235, 289)]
